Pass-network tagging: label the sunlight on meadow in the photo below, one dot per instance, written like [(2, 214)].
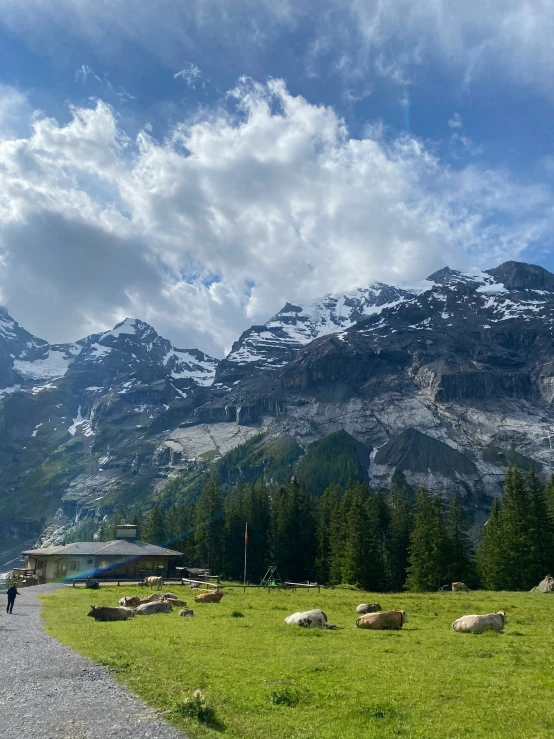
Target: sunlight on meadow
[(237, 669)]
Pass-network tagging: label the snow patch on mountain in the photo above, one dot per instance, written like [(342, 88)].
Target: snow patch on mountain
[(53, 366)]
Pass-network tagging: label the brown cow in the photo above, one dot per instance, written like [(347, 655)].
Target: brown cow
[(110, 613), (175, 601), (158, 606), (210, 597), (130, 601), (384, 621), (152, 598)]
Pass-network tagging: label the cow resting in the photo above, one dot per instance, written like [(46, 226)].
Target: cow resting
[(368, 608), (175, 601), (158, 606), (110, 613), (210, 597), (186, 612), (479, 624), (130, 602), (315, 619), (384, 621)]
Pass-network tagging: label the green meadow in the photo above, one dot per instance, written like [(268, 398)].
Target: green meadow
[(262, 679)]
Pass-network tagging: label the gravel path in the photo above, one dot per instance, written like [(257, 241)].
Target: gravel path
[(50, 692)]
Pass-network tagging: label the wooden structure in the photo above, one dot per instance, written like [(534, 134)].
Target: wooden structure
[(202, 583), (120, 559)]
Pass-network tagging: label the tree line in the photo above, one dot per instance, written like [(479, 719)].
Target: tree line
[(378, 541)]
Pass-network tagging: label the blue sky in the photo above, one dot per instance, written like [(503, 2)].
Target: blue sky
[(209, 160)]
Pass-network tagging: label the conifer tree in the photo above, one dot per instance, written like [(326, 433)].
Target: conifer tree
[(383, 515), (549, 498), (398, 539), (209, 527), (294, 531), (327, 518), (360, 537), (517, 538), (429, 544), (235, 518), (540, 533), (155, 529), (462, 566), (258, 516), (490, 551)]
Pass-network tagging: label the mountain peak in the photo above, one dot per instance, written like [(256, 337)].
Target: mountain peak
[(522, 276), (444, 275)]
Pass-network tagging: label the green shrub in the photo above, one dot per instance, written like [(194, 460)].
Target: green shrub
[(194, 705)]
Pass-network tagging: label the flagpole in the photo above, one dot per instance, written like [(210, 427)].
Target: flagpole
[(245, 546)]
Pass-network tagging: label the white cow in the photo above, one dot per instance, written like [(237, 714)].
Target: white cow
[(315, 619), (479, 624)]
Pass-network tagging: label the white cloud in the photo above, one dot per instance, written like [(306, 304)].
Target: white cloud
[(15, 111), (456, 121), (216, 227), (357, 38), (190, 74)]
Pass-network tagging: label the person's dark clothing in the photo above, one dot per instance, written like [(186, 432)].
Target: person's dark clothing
[(12, 593)]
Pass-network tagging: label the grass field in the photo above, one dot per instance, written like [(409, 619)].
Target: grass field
[(264, 679)]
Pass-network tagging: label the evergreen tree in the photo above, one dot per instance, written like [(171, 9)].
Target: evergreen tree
[(517, 538), (398, 539), (294, 532), (541, 534), (490, 551), (462, 566), (329, 505), (362, 562), (549, 498), (235, 519), (258, 516), (210, 526), (155, 529), (383, 517), (337, 540), (429, 544)]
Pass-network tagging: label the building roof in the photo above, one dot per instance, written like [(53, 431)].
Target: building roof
[(115, 548)]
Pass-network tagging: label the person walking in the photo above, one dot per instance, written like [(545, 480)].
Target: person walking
[(12, 592)]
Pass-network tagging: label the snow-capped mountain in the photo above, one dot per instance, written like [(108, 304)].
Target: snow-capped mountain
[(104, 358), (444, 382), (275, 343)]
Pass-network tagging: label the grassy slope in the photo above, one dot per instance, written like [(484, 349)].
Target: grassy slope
[(425, 681)]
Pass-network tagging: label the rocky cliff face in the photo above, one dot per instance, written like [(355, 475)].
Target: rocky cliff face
[(446, 382), (75, 418)]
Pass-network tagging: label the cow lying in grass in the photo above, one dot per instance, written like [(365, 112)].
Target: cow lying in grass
[(368, 608), (479, 624), (130, 602), (385, 621), (315, 619), (110, 613), (210, 597), (186, 612), (158, 606)]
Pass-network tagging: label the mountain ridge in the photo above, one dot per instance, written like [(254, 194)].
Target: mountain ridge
[(465, 359)]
